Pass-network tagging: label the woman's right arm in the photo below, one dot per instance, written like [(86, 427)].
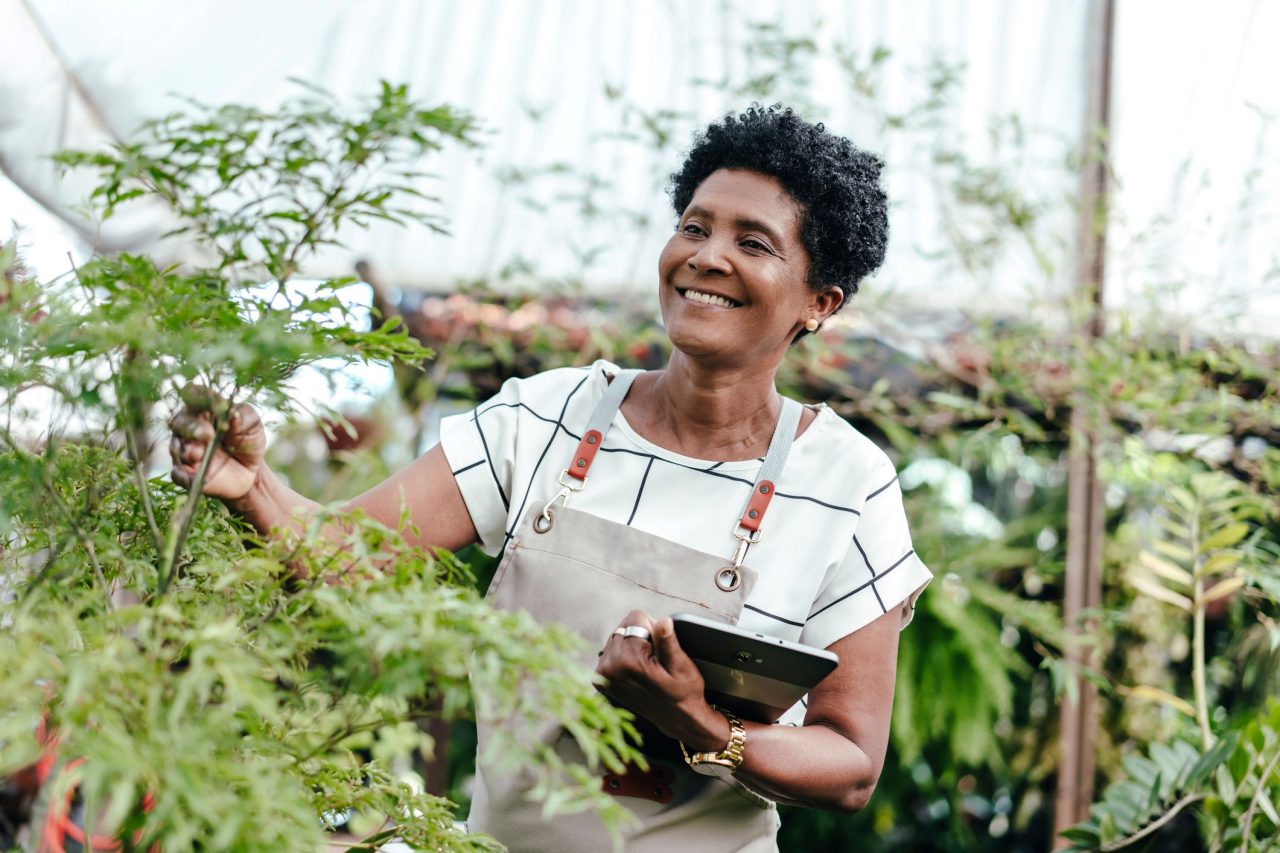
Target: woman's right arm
[(425, 492)]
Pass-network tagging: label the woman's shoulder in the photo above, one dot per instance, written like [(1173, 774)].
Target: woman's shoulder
[(840, 450), (586, 381)]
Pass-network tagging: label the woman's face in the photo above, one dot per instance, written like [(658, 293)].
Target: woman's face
[(733, 278)]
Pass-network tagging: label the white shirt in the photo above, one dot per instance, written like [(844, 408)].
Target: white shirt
[(835, 552)]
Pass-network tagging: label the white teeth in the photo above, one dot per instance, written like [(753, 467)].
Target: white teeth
[(707, 298)]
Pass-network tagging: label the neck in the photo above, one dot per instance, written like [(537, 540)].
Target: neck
[(715, 412)]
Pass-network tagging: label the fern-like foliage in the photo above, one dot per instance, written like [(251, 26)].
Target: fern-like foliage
[(1160, 785)]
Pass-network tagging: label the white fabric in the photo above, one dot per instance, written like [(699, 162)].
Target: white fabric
[(835, 552)]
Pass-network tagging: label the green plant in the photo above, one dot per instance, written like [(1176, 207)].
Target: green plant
[(198, 687), (1203, 551)]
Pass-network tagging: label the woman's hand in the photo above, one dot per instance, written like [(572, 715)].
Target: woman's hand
[(237, 459), (655, 679)]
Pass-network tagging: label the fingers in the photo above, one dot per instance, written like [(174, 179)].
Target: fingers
[(636, 617), (246, 437), (203, 418), (201, 398), (667, 647), (635, 641), (630, 659), (186, 452), (192, 425), (244, 419)]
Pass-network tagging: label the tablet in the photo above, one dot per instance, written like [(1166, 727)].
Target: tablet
[(756, 676)]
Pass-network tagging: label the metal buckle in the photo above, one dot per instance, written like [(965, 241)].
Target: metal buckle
[(730, 577), (574, 484), (544, 521), (745, 538)]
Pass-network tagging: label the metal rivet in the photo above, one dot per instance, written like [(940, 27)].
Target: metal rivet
[(764, 490), (582, 463), (615, 784), (755, 513), (657, 793), (591, 439)]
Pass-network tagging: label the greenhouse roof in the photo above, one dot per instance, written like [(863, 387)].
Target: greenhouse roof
[(585, 108)]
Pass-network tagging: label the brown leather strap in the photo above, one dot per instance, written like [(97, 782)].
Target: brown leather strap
[(653, 784), (585, 454), (756, 506)]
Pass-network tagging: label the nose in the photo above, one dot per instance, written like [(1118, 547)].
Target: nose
[(711, 258)]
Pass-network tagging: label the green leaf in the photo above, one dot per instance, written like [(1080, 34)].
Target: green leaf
[(1175, 552), (1227, 788), (1223, 589), (1160, 593), (1225, 537), (1164, 569)]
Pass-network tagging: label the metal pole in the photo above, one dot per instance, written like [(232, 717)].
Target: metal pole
[(1085, 509)]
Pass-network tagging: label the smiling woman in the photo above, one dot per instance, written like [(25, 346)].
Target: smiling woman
[(738, 248), (617, 498)]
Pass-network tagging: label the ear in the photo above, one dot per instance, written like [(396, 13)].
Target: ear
[(827, 301)]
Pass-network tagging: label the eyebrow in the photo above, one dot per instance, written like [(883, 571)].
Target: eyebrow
[(742, 224)]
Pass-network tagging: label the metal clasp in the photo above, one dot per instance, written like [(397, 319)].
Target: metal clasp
[(568, 485), (730, 577)]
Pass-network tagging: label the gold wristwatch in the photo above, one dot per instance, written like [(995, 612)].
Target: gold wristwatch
[(722, 763)]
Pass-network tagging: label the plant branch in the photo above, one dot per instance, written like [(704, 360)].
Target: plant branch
[(86, 541), (1154, 826), (1263, 780), (1197, 641), (180, 525), (144, 494)]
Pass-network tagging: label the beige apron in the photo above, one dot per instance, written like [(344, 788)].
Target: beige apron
[(570, 567)]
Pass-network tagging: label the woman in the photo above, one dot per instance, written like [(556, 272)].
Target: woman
[(689, 467)]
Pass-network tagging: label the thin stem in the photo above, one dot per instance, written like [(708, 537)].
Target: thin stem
[(86, 541), (57, 550), (1263, 779), (180, 525), (144, 494), (1154, 826), (1197, 641), (1198, 666)]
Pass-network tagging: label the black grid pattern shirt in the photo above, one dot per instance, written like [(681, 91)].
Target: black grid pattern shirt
[(835, 553)]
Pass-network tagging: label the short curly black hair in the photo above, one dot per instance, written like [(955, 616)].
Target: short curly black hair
[(845, 217)]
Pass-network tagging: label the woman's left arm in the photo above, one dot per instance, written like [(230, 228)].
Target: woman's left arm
[(832, 762)]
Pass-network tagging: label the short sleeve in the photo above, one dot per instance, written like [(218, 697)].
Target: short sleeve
[(480, 446), (880, 572)]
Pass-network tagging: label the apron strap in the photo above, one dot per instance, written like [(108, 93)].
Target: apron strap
[(762, 492), (599, 424)]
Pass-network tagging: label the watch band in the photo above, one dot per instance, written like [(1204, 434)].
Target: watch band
[(730, 757)]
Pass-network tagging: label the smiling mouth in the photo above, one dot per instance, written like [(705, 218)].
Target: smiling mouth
[(708, 298)]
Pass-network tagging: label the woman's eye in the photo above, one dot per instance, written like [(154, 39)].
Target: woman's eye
[(755, 245), (690, 228)]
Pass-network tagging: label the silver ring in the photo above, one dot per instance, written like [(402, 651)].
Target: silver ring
[(633, 631)]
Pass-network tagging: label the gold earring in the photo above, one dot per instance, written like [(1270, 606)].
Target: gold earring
[(811, 324)]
